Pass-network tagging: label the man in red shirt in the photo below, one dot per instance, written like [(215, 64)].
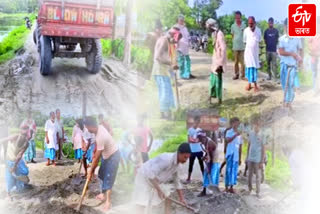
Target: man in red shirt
[(145, 133)]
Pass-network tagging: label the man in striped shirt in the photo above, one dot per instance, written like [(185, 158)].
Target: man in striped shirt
[(110, 158)]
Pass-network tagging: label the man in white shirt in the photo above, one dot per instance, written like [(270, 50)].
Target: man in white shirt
[(51, 140), (251, 38), (60, 130), (153, 174)]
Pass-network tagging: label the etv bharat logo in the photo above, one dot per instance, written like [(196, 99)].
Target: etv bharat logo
[(302, 20)]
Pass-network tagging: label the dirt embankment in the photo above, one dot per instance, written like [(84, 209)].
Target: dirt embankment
[(22, 87)]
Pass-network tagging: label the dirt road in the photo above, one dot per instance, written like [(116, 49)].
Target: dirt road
[(23, 87)]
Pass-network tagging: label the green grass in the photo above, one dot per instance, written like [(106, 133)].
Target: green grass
[(13, 42)]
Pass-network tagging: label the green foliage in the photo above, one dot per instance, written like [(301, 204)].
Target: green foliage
[(16, 6), (106, 47), (205, 9), (226, 21), (13, 42), (279, 175), (140, 56), (170, 145), (305, 78), (167, 129)]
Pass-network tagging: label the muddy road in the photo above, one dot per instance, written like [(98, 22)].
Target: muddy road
[(22, 87)]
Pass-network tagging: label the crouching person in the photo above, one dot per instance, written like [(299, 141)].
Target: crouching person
[(17, 172), (150, 189)]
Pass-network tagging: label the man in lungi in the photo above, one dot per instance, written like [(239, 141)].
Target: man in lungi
[(211, 173), (150, 183), (77, 134), (184, 62), (17, 172), (60, 130), (251, 38), (233, 155), (30, 153), (290, 51), (107, 149), (219, 60), (160, 71), (51, 139), (314, 50)]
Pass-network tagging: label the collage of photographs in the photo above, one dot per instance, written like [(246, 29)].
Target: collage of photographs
[(159, 106)]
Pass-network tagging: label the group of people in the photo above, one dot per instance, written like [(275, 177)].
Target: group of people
[(246, 48), (206, 150), (171, 52)]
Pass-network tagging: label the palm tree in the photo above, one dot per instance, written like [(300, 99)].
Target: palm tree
[(128, 26)]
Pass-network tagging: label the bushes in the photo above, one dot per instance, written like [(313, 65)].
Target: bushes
[(140, 56), (170, 145), (13, 42)]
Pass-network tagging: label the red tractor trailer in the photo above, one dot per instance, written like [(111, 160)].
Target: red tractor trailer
[(63, 24)]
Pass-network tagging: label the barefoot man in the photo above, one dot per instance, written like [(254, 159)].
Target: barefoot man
[(150, 189), (107, 149), (251, 38), (51, 140), (16, 170)]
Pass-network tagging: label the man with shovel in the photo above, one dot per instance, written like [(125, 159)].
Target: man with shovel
[(16, 170), (107, 149), (164, 53), (150, 188)]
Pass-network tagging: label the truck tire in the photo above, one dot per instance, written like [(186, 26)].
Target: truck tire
[(94, 57), (45, 55)]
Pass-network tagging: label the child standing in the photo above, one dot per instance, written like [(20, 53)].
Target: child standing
[(195, 145), (77, 141), (211, 173), (256, 155), (233, 155)]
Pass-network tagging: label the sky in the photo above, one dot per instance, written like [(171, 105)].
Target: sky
[(260, 9)]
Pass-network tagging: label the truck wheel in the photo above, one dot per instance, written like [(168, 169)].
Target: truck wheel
[(94, 57), (45, 55), (35, 37)]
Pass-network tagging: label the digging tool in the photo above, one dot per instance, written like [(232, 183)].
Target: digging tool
[(84, 191), (183, 205), (172, 53)]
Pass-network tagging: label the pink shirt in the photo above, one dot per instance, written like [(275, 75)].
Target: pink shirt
[(77, 137), (219, 57), (105, 142), (144, 133), (314, 47)]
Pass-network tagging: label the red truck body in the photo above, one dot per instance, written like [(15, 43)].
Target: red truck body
[(71, 19), (64, 25)]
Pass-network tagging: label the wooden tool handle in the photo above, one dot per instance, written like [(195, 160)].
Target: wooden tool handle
[(181, 204), (83, 194)]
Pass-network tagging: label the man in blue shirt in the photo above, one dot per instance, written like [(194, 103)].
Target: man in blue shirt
[(233, 155), (290, 50), (195, 145), (271, 36)]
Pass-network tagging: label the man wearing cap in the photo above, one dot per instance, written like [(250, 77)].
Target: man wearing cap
[(16, 170), (183, 50), (162, 63), (290, 51), (219, 60), (271, 37), (152, 177)]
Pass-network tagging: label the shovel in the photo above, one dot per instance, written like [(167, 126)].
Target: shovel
[(185, 206), (84, 191)]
